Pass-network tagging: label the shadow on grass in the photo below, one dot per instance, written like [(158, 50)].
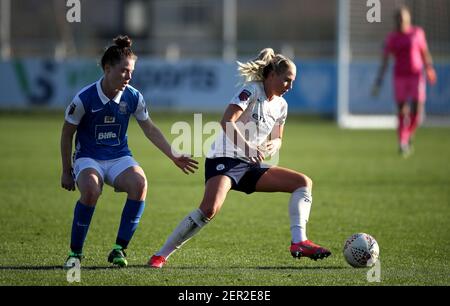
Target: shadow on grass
[(33, 268), (170, 268), (47, 268), (302, 268)]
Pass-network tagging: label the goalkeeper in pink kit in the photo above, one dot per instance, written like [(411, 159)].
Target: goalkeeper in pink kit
[(409, 47)]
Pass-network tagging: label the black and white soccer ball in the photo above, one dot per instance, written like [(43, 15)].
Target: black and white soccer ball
[(361, 250)]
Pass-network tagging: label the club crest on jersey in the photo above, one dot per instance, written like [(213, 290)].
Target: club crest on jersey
[(258, 117), (220, 167), (244, 95), (123, 107), (110, 119)]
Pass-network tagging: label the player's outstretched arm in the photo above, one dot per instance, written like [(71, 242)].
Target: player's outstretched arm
[(154, 134), (429, 69), (379, 79), (430, 73), (67, 180)]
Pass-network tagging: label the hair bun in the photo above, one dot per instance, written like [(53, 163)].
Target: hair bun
[(122, 41)]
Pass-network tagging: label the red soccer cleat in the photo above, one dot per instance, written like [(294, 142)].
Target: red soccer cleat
[(309, 249), (156, 262)]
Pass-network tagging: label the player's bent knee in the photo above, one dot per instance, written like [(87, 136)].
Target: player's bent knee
[(138, 189), (90, 196), (302, 181), (309, 182), (141, 184)]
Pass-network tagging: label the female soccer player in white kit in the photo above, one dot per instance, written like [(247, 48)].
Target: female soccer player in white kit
[(99, 114), (235, 161)]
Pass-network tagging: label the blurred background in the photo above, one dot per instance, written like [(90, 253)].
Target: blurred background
[(187, 50)]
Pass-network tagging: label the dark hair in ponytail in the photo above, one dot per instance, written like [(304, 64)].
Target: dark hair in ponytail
[(115, 53)]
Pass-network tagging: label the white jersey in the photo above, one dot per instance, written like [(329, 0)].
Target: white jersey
[(256, 123)]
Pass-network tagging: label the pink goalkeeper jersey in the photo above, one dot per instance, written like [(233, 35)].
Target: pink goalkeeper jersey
[(407, 49)]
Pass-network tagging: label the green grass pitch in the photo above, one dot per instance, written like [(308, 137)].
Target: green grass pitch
[(361, 184)]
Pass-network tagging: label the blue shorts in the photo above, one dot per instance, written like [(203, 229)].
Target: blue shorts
[(244, 176)]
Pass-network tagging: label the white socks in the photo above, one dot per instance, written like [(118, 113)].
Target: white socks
[(299, 208), (190, 226)]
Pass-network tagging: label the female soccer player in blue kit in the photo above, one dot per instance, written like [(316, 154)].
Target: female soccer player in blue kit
[(258, 111), (99, 114)]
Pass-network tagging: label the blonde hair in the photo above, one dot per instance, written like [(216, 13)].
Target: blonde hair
[(259, 68)]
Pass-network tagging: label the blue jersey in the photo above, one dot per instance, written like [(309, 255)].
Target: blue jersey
[(103, 122)]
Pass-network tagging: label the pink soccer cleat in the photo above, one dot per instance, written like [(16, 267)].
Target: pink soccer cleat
[(156, 262), (309, 249)]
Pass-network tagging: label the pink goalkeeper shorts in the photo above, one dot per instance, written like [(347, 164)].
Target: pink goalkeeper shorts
[(411, 87)]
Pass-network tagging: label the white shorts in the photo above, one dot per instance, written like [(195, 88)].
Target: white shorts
[(108, 169)]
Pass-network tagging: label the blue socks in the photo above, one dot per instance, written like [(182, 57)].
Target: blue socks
[(81, 219), (131, 216), (82, 216)]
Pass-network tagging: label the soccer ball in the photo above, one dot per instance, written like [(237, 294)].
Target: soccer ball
[(361, 250)]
